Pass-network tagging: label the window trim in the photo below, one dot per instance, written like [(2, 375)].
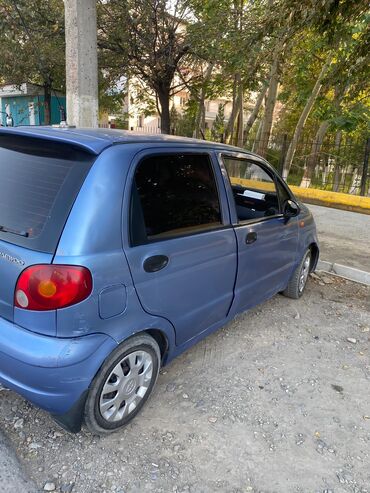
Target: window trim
[(149, 153), (196, 232), (267, 168)]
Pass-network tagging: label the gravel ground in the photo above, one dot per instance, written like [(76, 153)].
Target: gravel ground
[(277, 401), (12, 476)]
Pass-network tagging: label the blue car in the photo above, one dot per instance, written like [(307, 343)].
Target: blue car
[(119, 251)]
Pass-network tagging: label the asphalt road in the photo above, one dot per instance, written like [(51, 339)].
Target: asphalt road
[(275, 402), (344, 236)]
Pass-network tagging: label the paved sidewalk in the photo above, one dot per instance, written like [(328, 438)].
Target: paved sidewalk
[(344, 236)]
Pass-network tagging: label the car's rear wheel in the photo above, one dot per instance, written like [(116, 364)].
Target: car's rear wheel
[(299, 278), (123, 385)]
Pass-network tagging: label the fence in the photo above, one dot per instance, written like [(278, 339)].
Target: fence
[(341, 166), (149, 129)]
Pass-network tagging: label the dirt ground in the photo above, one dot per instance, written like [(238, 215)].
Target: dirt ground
[(277, 401)]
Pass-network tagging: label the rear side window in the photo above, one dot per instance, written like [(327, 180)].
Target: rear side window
[(173, 195), (38, 185)]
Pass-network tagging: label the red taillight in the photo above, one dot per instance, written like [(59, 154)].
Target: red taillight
[(48, 287)]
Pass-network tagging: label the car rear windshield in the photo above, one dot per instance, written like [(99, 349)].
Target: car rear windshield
[(39, 181)]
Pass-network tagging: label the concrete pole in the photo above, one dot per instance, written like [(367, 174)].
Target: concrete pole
[(81, 63)]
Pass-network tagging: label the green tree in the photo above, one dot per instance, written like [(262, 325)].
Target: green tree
[(218, 127), (32, 45), (146, 40), (317, 91), (235, 50)]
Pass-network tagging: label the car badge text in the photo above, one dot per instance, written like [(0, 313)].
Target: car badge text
[(11, 259)]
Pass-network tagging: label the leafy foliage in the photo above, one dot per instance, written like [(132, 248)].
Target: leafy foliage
[(164, 46), (32, 42)]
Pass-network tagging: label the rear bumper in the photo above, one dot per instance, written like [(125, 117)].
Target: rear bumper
[(50, 372)]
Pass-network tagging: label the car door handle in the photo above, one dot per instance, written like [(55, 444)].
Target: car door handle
[(251, 237), (155, 263)]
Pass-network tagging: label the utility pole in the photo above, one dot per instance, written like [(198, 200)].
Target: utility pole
[(81, 63)]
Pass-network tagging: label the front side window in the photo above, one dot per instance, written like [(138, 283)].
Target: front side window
[(173, 194), (283, 193), (253, 188)]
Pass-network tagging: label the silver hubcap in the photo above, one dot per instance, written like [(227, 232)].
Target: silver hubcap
[(304, 273), (126, 386)]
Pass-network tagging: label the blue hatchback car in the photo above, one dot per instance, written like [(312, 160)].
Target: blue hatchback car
[(119, 251)]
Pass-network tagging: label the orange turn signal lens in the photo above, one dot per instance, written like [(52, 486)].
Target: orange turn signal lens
[(47, 288)]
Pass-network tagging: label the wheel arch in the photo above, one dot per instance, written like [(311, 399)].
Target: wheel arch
[(315, 252), (161, 339), (160, 336)]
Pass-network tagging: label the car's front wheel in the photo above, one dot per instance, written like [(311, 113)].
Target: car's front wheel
[(299, 277), (123, 385)]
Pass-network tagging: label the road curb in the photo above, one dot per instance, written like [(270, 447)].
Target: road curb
[(336, 200), (350, 273)]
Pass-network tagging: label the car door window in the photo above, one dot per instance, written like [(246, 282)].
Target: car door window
[(283, 193), (173, 194), (254, 190)]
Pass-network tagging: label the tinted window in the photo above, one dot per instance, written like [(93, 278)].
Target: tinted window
[(39, 182), (173, 194), (253, 188)]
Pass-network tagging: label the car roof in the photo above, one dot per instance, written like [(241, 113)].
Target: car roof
[(96, 140)]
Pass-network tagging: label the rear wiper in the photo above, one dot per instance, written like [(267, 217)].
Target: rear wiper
[(4, 229)]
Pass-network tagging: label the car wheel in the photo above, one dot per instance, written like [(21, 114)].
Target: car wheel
[(299, 278), (122, 385)]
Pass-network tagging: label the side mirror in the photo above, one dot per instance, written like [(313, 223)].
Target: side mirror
[(291, 209)]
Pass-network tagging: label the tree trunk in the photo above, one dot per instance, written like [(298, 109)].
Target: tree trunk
[(347, 172), (254, 114), (356, 182), (240, 126), (270, 101), (258, 137), (229, 132), (164, 101), (315, 150), (238, 88), (338, 138), (339, 94), (303, 118), (325, 171), (200, 120), (47, 103)]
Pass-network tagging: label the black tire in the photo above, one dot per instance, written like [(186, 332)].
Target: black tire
[(140, 344), (295, 288)]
